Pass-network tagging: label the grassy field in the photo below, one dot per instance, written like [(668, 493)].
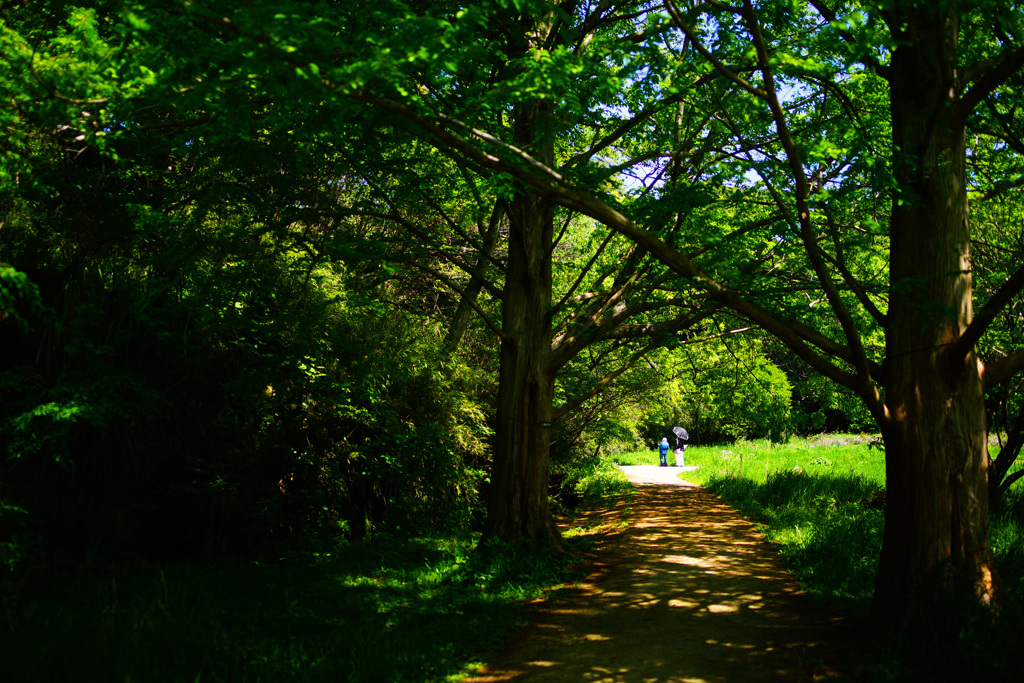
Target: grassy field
[(833, 455)]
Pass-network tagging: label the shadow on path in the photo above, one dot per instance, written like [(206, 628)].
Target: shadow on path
[(688, 591)]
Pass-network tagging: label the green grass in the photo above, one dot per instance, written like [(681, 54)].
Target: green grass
[(827, 528), (1007, 533), (596, 479), (755, 460), (389, 609)]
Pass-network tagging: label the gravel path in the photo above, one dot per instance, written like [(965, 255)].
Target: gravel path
[(680, 588)]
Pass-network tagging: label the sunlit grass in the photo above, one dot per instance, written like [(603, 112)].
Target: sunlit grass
[(850, 455), (827, 527), (755, 460), (596, 479)]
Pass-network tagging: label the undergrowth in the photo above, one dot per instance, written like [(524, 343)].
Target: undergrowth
[(826, 528), (595, 479), (1007, 530), (387, 609)]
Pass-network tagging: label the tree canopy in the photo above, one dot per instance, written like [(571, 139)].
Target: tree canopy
[(272, 247)]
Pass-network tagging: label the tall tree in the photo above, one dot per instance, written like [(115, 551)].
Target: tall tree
[(801, 81), (800, 163), (539, 336), (928, 397)]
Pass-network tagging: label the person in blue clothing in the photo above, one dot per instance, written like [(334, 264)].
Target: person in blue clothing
[(663, 453)]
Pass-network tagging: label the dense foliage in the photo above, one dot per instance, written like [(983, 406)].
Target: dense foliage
[(263, 266), (217, 340)]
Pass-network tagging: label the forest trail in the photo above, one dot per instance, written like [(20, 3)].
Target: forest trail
[(679, 588)]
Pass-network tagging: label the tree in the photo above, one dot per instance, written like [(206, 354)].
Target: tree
[(291, 166), (928, 398), (784, 116), (224, 344), (802, 164), (538, 335)]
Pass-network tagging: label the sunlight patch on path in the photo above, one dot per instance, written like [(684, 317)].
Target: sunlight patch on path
[(688, 592)]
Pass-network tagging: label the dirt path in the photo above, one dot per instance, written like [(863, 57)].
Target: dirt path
[(687, 591)]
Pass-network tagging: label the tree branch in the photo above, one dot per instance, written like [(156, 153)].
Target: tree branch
[(999, 371), (1003, 296), (550, 183), (601, 385), (620, 131), (719, 65), (642, 330), (583, 273), (1010, 64), (411, 227), (454, 225), (840, 263), (828, 15), (1009, 481), (461, 292), (1001, 189), (738, 232), (477, 281), (811, 248)]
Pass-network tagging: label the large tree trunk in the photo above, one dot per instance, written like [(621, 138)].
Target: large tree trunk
[(936, 521), (518, 507)]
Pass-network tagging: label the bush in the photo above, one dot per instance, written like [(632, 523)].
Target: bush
[(594, 479)]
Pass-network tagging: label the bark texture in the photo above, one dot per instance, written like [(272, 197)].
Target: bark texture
[(936, 527), (518, 507)]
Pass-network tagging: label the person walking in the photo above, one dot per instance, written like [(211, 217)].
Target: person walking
[(681, 435), (663, 452)]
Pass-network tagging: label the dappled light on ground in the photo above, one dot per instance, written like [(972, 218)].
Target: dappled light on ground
[(688, 591)]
